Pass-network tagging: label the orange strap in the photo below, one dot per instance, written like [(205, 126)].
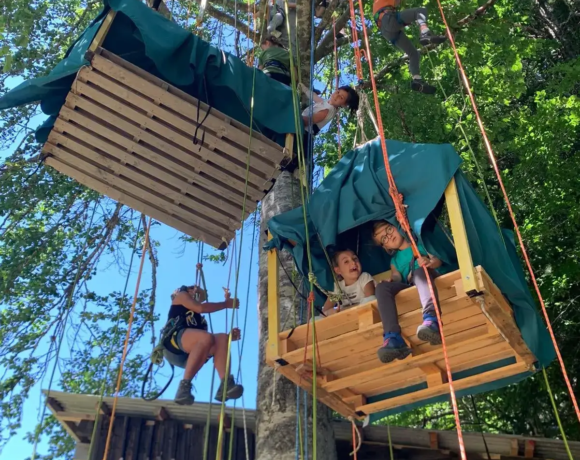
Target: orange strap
[(401, 216), (509, 206), (126, 344)]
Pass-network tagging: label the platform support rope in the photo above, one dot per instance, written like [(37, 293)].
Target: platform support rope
[(492, 158), (403, 221), (126, 344)]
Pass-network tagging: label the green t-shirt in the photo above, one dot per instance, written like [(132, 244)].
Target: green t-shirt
[(402, 261), (277, 55)]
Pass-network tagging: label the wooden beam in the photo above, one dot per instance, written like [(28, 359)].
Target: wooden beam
[(529, 448), (514, 448), (273, 349), (435, 375), (162, 414), (439, 390), (433, 440), (468, 276), (103, 408), (368, 315), (103, 31)]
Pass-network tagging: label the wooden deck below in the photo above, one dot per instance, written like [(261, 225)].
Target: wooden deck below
[(478, 331), (144, 143)]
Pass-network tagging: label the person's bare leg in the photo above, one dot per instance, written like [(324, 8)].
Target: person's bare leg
[(197, 344), (219, 351)]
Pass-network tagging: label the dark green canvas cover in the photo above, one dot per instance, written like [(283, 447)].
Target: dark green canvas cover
[(150, 41), (356, 192)]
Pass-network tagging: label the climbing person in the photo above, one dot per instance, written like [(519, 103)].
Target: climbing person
[(277, 18), (405, 272), (354, 285), (189, 344), (322, 111), (275, 60), (392, 23), (277, 22)]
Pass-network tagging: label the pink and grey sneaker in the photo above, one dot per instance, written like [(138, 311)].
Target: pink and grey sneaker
[(394, 347), (429, 331)]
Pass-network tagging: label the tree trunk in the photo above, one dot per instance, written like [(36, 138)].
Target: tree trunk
[(276, 403)]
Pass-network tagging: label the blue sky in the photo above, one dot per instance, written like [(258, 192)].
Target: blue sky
[(176, 267)]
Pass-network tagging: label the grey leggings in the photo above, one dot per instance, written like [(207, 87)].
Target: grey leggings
[(392, 28), (386, 292)]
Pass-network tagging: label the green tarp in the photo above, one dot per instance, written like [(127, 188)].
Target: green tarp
[(159, 46), (355, 193)]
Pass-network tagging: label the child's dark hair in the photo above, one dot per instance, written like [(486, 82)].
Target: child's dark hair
[(273, 40), (336, 254), (352, 100)]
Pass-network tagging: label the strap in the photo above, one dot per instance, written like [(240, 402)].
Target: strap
[(199, 125), (277, 65)]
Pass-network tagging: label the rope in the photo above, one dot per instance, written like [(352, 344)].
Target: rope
[(337, 84), (478, 421), (553, 401), (356, 438), (403, 221), (509, 206), (391, 454), (126, 344), (357, 52), (228, 355)]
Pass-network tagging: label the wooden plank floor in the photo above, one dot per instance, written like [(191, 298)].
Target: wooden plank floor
[(134, 138), (477, 331)]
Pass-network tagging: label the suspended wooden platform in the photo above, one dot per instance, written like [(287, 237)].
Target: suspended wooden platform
[(142, 142), (479, 328)]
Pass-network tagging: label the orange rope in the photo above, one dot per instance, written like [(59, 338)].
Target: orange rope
[(337, 85), (403, 221), (509, 206), (126, 344), (357, 51)]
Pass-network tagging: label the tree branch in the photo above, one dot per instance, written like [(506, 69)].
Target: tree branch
[(477, 13), (231, 21), (394, 65), (325, 21), (326, 45)]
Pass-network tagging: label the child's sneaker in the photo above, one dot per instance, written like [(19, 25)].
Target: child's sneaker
[(275, 33), (233, 391), (394, 347), (429, 331), (418, 84), (183, 396), (427, 38)]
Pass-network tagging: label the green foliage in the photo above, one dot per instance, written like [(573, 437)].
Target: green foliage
[(522, 61)]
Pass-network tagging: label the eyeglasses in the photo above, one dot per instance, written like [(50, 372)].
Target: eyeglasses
[(389, 229)]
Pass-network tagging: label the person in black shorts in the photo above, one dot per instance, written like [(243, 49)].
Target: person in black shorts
[(190, 345)]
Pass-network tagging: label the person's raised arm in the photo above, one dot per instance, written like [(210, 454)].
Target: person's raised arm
[(308, 93), (316, 117), (183, 298)]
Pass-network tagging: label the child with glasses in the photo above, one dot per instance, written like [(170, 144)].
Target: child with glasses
[(406, 270)]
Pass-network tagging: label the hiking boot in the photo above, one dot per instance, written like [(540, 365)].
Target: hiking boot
[(427, 38), (183, 395), (429, 331), (394, 347), (275, 33), (233, 390), (418, 84)]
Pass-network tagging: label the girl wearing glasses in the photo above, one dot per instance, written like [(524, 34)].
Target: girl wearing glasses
[(406, 270)]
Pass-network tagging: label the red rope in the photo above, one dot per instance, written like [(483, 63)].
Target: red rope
[(509, 206), (337, 85), (403, 221)]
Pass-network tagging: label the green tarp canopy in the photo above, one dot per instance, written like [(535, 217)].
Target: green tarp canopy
[(356, 192), (143, 37)]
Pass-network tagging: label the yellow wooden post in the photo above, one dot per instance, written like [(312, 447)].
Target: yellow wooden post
[(289, 146), (273, 348), (102, 32), (469, 279)]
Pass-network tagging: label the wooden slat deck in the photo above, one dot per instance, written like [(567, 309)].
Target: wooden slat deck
[(477, 332), (130, 136)]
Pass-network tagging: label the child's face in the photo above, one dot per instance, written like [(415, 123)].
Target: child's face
[(348, 266), (388, 237), (339, 98)]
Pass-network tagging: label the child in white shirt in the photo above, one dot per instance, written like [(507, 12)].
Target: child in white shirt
[(354, 285)]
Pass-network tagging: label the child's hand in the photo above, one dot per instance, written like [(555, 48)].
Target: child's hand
[(236, 334), (424, 261), (231, 303)]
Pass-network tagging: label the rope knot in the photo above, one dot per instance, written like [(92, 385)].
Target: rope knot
[(198, 266), (311, 297)]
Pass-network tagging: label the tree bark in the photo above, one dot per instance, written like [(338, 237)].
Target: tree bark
[(276, 403)]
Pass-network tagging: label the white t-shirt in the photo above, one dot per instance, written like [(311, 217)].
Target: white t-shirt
[(353, 294), (319, 107)]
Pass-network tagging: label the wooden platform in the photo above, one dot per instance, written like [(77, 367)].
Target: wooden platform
[(130, 136), (349, 371)]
